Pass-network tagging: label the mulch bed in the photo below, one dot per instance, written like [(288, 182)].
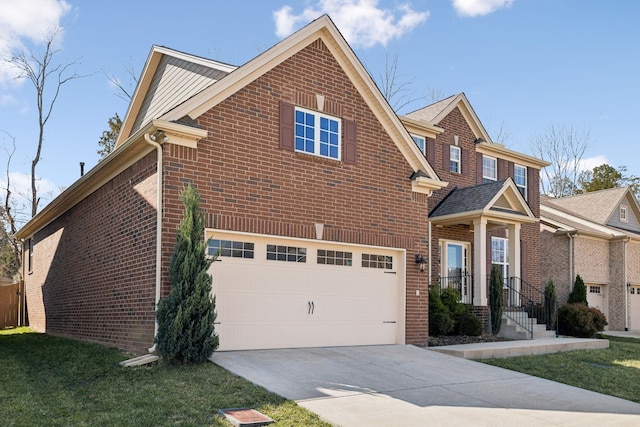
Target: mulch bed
[(461, 339)]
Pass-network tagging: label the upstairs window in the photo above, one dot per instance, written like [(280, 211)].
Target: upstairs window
[(489, 169), (623, 214), (454, 159), (317, 133), (520, 178), (421, 143)]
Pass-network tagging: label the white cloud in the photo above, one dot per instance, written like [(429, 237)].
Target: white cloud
[(473, 8), (361, 22), (589, 163), (26, 20)]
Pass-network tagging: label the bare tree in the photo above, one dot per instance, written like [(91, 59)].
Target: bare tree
[(398, 90), (125, 88), (563, 147), (503, 134), (47, 79), (10, 249)]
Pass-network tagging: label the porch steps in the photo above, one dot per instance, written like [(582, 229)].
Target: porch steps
[(503, 349), (513, 331)]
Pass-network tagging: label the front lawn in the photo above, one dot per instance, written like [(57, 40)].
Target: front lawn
[(49, 381), (614, 371)]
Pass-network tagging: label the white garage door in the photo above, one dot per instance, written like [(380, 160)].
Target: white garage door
[(634, 307), (597, 297), (282, 293)]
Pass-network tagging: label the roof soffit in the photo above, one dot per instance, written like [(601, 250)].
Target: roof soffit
[(324, 29), (154, 60)]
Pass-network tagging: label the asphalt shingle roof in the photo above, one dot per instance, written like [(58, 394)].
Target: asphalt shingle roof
[(467, 199)]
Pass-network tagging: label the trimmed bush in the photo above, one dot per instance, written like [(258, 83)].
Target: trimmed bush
[(579, 292), (467, 323), (578, 320), (440, 321)]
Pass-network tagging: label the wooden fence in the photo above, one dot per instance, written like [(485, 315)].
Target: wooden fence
[(9, 306)]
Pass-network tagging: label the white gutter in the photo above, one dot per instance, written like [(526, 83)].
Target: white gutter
[(152, 140)]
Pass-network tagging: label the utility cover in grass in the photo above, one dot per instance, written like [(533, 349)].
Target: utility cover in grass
[(245, 417)]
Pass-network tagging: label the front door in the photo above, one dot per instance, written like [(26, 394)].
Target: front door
[(456, 269)]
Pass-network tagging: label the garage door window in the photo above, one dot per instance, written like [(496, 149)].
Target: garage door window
[(335, 257), (594, 289), (286, 253), (377, 261), (230, 248)]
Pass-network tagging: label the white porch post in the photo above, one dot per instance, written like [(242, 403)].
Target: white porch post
[(480, 262), (514, 253)]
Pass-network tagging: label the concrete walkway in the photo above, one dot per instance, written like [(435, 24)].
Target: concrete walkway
[(502, 349), (402, 385)]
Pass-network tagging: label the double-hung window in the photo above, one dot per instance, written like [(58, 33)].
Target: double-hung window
[(623, 214), (454, 159), (489, 169), (421, 143), (520, 178), (317, 133)]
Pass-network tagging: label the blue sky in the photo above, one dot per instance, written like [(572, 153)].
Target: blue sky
[(525, 65)]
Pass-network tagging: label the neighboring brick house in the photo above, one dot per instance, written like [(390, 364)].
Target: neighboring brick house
[(488, 213), (597, 236), (316, 199)]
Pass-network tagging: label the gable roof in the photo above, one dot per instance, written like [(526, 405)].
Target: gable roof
[(322, 28), (168, 78), (596, 206), (435, 113), (564, 222), (499, 201)]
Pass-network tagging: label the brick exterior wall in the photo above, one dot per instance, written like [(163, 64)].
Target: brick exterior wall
[(248, 184), (555, 263), (93, 273)]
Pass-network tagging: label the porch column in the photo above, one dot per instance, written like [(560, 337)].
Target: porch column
[(514, 253), (480, 262)]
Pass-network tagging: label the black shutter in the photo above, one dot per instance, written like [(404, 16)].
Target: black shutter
[(479, 168), (431, 150)]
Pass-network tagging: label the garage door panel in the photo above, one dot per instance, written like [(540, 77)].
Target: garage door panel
[(272, 304)]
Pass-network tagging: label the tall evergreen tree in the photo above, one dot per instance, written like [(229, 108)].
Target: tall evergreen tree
[(186, 316), (579, 292), (495, 299)]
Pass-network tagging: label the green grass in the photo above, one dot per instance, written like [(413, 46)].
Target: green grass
[(614, 371), (49, 381)]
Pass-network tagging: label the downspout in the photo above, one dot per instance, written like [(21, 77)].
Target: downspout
[(625, 285), (430, 249), (151, 139)]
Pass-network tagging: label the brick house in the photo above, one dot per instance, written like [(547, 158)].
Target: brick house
[(316, 199), (595, 235)]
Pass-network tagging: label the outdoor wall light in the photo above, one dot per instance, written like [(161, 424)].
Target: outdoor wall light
[(420, 261)]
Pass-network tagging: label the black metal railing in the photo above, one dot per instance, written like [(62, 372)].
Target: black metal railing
[(527, 306), (461, 284)]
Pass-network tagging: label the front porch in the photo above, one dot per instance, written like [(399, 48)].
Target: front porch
[(527, 313)]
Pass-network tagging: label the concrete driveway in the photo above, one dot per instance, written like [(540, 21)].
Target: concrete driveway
[(401, 385)]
